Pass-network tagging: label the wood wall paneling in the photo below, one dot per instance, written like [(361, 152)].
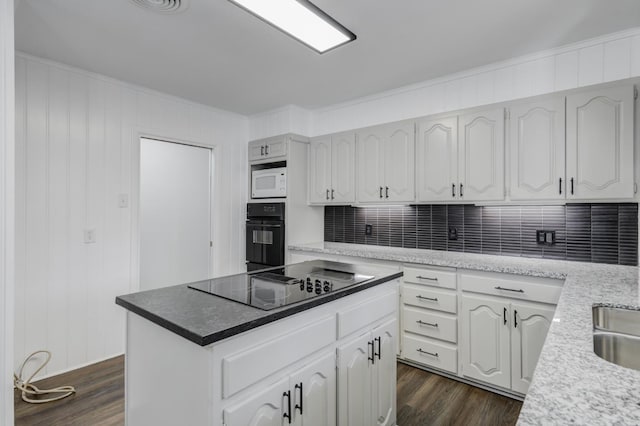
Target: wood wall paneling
[(77, 137)]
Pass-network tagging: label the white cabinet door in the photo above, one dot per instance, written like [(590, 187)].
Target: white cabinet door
[(530, 326), (354, 382), (319, 170), (256, 150), (600, 144), (384, 373), (343, 168), (266, 408), (437, 159), (536, 131), (275, 148), (370, 165), (485, 342), (314, 393), (481, 155), (399, 162)]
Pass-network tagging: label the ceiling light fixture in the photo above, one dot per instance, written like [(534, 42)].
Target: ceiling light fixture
[(302, 20)]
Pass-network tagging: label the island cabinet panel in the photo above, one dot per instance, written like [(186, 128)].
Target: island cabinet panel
[(367, 377), (600, 155), (365, 313), (251, 365), (305, 398), (266, 408), (536, 131)]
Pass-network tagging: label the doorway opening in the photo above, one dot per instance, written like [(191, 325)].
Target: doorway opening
[(175, 213)]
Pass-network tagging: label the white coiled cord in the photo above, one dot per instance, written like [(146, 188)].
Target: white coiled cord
[(29, 389)]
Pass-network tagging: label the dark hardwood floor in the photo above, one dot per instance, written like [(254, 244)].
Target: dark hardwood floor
[(423, 399), (428, 399), (99, 398)]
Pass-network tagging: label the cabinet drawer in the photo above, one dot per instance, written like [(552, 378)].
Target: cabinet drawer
[(366, 313), (430, 324), (525, 288), (432, 277), (428, 352), (427, 297), (243, 369)]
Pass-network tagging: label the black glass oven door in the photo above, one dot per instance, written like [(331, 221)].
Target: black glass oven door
[(265, 243)]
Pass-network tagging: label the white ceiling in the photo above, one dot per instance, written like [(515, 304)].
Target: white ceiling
[(217, 54)]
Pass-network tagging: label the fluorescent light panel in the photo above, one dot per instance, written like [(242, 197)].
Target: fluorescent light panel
[(301, 20)]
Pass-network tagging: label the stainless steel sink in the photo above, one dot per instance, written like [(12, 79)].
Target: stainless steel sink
[(616, 335)]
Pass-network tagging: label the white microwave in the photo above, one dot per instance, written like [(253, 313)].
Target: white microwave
[(269, 183)]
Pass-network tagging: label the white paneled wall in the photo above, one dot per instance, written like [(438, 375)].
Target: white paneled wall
[(77, 139), (612, 57), (7, 205), (603, 59)]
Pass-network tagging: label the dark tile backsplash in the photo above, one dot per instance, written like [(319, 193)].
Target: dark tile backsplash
[(602, 233)]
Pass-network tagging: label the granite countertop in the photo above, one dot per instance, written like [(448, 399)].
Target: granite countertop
[(571, 384), (204, 318)]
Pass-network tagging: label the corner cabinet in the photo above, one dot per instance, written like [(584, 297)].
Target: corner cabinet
[(536, 134), (385, 163), (600, 158), (461, 158), (367, 378), (331, 171)]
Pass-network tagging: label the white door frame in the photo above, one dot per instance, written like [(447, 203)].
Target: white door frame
[(135, 197), (7, 208)]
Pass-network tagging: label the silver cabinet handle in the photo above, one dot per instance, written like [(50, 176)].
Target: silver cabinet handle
[(427, 323), (461, 190), (509, 289), (262, 150), (428, 353), (453, 190), (266, 150), (386, 192), (433, 299), (332, 192), (380, 192), (327, 194), (420, 277)]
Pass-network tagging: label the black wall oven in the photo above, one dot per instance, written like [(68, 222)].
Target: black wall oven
[(265, 235)]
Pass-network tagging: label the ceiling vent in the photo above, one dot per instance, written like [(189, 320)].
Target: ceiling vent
[(163, 6)]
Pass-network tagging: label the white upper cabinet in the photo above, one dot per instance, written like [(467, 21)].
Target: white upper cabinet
[(319, 170), (343, 168), (536, 136), (385, 163), (437, 159), (331, 171), (268, 148), (481, 155), (600, 155)]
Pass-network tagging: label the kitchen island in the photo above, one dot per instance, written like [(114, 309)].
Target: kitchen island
[(245, 356)]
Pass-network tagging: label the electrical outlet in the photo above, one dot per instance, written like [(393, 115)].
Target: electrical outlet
[(368, 229), (545, 237), (453, 233), (89, 236)]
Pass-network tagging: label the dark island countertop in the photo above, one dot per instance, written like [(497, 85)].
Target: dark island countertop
[(204, 318)]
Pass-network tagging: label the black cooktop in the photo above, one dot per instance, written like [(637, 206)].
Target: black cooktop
[(277, 287)]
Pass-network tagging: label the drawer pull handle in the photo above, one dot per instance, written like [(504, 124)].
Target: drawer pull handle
[(433, 299), (420, 277), (428, 353), (435, 324), (509, 289)]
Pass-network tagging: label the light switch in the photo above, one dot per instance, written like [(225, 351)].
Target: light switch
[(123, 201), (89, 236)]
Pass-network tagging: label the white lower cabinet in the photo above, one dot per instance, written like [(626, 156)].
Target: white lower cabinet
[(485, 342), (530, 326), (367, 378), (305, 398), (502, 339)]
